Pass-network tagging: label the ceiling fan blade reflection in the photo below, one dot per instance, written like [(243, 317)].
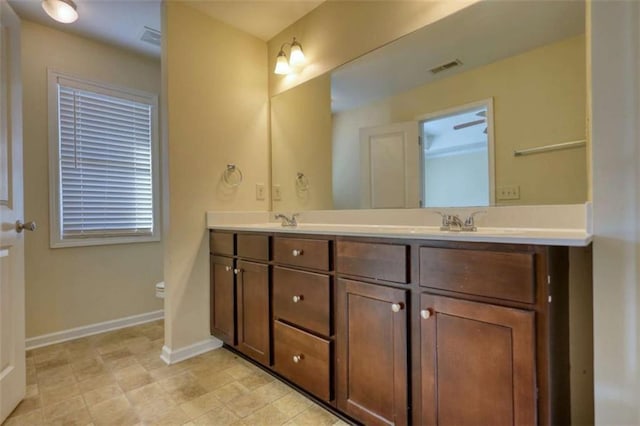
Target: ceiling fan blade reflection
[(468, 124)]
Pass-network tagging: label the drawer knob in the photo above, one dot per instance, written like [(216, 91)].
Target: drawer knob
[(397, 307), (227, 268), (425, 313), (297, 358), (296, 253), (297, 299)]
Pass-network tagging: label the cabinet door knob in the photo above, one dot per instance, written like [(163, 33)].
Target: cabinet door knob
[(297, 299), (297, 358), (397, 307), (296, 252), (236, 271), (227, 268), (425, 313)]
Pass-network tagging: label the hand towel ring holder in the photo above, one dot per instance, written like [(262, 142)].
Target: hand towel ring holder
[(302, 182), (232, 175)]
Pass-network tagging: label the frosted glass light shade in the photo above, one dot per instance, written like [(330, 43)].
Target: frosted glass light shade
[(61, 10), (282, 65), (296, 54)]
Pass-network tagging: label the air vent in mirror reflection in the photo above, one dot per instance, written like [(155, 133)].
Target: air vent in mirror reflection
[(446, 66)]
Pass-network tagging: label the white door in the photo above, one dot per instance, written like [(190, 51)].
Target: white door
[(12, 356), (389, 165)]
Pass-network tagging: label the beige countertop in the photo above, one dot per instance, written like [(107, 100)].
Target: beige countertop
[(540, 236), (556, 225)]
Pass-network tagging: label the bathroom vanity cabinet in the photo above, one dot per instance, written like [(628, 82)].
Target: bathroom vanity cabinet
[(240, 293), (401, 331)]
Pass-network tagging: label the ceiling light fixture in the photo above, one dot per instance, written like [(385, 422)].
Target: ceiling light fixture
[(61, 10), (295, 61)]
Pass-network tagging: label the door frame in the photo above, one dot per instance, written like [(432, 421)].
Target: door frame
[(488, 104)]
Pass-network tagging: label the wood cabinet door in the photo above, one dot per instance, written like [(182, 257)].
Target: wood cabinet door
[(253, 311), (477, 363), (223, 299), (371, 348)]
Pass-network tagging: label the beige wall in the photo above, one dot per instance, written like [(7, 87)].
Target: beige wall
[(616, 209), (72, 287), (302, 145), (539, 99), (217, 101), (339, 31)]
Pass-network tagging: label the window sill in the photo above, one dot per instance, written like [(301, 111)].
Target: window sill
[(103, 241)]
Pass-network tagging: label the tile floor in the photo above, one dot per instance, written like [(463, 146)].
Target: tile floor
[(117, 378)]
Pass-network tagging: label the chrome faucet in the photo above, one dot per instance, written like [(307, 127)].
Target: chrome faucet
[(469, 223), (453, 223), (286, 221), (450, 222)]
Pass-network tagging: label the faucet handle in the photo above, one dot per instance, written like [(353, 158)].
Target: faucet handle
[(445, 220), (470, 220)]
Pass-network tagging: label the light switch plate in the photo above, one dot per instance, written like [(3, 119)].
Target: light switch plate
[(277, 193), (511, 192), (260, 191)]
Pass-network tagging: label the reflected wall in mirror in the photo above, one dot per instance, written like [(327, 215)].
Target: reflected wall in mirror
[(525, 61)]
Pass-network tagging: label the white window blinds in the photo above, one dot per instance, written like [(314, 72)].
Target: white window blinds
[(105, 163)]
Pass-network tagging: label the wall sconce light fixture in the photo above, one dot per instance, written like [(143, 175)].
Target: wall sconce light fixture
[(296, 58), (61, 10)]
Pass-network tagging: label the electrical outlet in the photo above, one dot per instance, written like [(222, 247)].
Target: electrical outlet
[(511, 192), (260, 191), (277, 193)]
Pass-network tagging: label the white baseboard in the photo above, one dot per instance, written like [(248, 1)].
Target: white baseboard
[(88, 330), (170, 356)]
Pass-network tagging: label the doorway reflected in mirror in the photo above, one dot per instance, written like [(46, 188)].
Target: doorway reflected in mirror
[(457, 157)]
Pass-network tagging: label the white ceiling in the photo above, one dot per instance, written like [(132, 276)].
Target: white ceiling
[(480, 34), (118, 22), (122, 22)]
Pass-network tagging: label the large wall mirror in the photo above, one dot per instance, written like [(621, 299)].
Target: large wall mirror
[(484, 107)]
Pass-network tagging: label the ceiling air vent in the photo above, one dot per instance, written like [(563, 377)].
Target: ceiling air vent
[(446, 66), (151, 36)]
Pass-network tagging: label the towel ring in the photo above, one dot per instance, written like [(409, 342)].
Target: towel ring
[(232, 175), (302, 182)]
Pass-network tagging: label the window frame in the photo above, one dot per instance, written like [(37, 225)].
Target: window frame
[(55, 191)]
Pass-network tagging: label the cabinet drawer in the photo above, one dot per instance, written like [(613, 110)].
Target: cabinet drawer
[(221, 243), (302, 252), (304, 359), (253, 246), (502, 275), (387, 262), (302, 298)]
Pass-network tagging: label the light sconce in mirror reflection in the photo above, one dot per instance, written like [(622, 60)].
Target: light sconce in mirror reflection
[(64, 11), (295, 60)]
